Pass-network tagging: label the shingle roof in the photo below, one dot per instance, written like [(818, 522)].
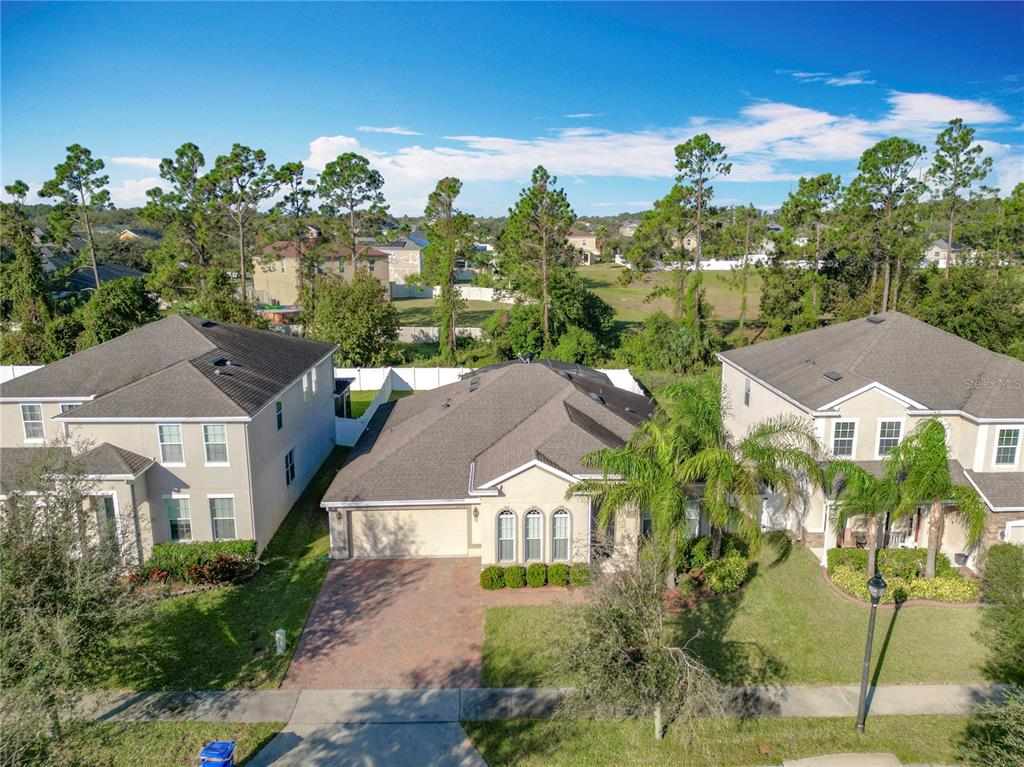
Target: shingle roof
[(1004, 490), (422, 447), (930, 366), (104, 460), (174, 368)]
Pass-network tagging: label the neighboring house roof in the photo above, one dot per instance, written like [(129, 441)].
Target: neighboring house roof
[(288, 249), (103, 461), (931, 367), (176, 367), (433, 445), (579, 233), (82, 278), (403, 244), (942, 245)]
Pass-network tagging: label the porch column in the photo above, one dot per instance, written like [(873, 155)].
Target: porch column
[(830, 535)]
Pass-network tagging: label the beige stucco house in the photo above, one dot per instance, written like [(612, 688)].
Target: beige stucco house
[(404, 258), (480, 468), (865, 384), (586, 242), (195, 430), (275, 278)]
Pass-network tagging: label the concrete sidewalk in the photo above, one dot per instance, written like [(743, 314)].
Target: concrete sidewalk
[(441, 706)]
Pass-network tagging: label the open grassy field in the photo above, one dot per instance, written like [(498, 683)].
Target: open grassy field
[(154, 744), (420, 312), (629, 301), (717, 742), (786, 627), (224, 638)]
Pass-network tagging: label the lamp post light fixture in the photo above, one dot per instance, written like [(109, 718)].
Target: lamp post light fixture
[(876, 588)]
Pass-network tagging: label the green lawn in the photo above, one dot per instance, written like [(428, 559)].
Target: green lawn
[(420, 312), (224, 639), (629, 301), (786, 627), (718, 743), (155, 744), (360, 400)]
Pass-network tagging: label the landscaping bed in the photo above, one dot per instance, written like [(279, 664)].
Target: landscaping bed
[(718, 742), (153, 744), (902, 570), (785, 626)]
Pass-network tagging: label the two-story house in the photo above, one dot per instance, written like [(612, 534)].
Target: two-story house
[(586, 242), (865, 384), (276, 277), (191, 430)]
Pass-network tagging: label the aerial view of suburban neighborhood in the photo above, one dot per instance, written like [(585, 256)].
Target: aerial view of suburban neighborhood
[(512, 384)]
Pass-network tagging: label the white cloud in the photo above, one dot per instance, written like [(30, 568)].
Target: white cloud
[(582, 115), (149, 163), (909, 111), (131, 193), (857, 77), (1007, 165), (394, 130)]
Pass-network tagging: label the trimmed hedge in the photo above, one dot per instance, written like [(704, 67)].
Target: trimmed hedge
[(186, 561), (1002, 578), (492, 578), (579, 574), (536, 575), (558, 574), (696, 552), (892, 563), (950, 587), (726, 574), (515, 576)]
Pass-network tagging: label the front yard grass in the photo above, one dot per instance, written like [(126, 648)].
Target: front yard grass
[(155, 744), (224, 639), (718, 742), (786, 627)]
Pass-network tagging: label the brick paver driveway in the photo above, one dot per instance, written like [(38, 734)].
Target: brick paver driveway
[(401, 623)]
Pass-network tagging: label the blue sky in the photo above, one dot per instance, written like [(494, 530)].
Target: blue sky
[(599, 93)]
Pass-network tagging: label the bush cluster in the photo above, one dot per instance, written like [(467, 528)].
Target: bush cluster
[(892, 563), (696, 552), (950, 587), (1002, 586), (201, 562), (495, 577), (726, 574)]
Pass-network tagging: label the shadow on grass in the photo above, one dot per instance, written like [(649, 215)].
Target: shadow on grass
[(225, 638), (881, 655)]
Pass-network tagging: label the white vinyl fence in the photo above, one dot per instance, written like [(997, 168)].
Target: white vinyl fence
[(7, 372), (468, 293)]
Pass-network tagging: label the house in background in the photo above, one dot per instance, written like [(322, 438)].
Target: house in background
[(480, 468), (628, 228), (586, 242), (195, 430), (865, 384), (275, 278), (938, 253), (405, 256)]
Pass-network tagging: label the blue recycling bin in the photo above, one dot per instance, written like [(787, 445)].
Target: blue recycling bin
[(218, 753)]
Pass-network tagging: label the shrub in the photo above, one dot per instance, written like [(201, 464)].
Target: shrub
[(847, 557), (536, 575), (892, 563), (1002, 578), (226, 568), (684, 585), (515, 576), (579, 574), (176, 559), (726, 574), (995, 735), (492, 578), (558, 574), (699, 553), (1003, 622), (947, 588)]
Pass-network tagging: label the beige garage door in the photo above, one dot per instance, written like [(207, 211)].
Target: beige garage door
[(410, 533)]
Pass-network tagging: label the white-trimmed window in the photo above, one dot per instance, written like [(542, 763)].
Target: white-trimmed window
[(289, 466), (890, 431), (179, 517), (279, 414), (506, 536), (222, 515), (172, 451), (746, 392), (65, 407), (215, 439), (560, 535), (692, 512), (1007, 447), (32, 422), (843, 435), (534, 535)]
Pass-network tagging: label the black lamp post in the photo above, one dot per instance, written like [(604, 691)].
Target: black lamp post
[(876, 588)]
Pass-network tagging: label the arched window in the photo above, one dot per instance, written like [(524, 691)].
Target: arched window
[(534, 536), (560, 535), (506, 536)]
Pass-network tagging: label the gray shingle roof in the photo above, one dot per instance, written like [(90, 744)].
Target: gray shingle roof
[(106, 460), (930, 366), (1003, 489), (18, 464), (167, 369), (422, 447)]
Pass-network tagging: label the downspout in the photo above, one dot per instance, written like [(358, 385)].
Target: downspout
[(135, 520), (248, 479)]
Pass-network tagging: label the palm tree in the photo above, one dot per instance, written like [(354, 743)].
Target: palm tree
[(861, 494), (645, 472), (920, 465), (778, 453)]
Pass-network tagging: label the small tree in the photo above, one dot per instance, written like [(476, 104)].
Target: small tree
[(62, 594), (622, 656), (117, 307), (294, 210), (861, 494), (79, 189), (357, 316)]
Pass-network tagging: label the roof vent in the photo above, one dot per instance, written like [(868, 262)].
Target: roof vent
[(446, 404), (220, 362), (566, 375), (208, 324), (876, 320), (629, 409), (474, 383), (597, 397), (833, 376)]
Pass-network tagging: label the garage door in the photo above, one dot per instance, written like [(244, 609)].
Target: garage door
[(410, 533)]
